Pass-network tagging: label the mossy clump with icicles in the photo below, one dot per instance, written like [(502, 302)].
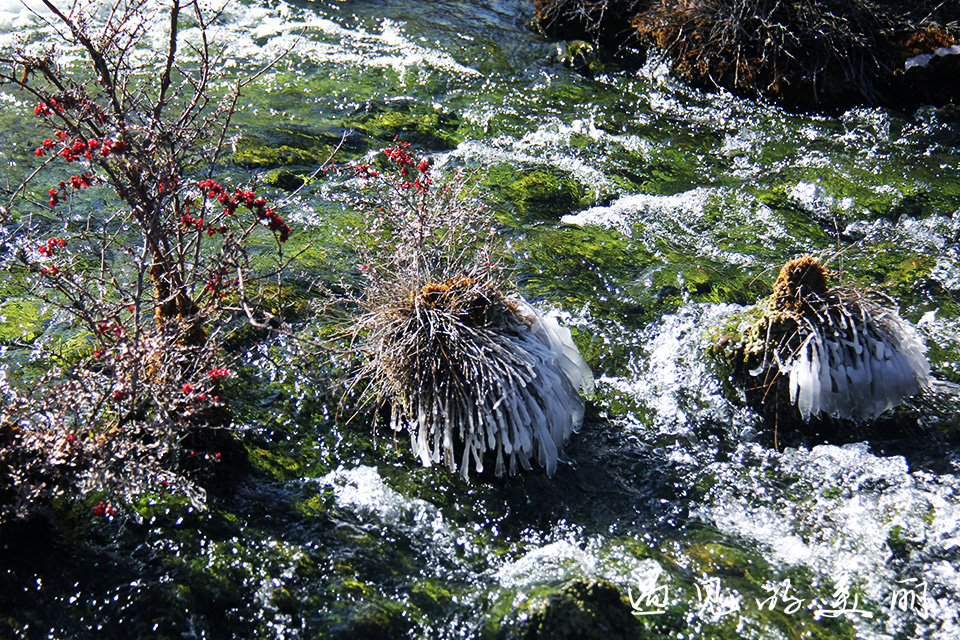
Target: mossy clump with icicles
[(819, 352), (474, 373), (471, 372)]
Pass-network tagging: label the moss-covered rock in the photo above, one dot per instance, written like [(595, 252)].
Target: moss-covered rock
[(824, 360), (579, 610), (284, 179), (538, 192), (291, 145), (375, 620), (423, 125)]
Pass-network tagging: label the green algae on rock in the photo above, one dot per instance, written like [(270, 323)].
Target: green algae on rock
[(591, 609), (538, 192), (426, 126)]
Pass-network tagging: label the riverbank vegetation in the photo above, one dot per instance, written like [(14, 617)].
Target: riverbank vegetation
[(134, 396), (820, 54)]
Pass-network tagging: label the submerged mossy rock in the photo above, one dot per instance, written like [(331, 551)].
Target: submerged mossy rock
[(424, 125), (809, 54), (538, 192), (292, 145), (373, 620), (284, 179), (580, 610)]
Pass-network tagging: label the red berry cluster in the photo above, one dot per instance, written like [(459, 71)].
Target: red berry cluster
[(48, 250), (80, 148), (80, 181), (54, 105), (74, 148), (406, 164), (51, 246), (190, 222), (365, 171), (218, 374), (103, 510), (105, 327), (167, 185), (216, 282), (248, 199), (42, 150), (47, 107), (400, 156)]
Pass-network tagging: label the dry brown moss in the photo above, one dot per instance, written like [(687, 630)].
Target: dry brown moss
[(797, 281)]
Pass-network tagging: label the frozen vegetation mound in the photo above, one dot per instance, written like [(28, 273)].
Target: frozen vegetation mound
[(833, 352)]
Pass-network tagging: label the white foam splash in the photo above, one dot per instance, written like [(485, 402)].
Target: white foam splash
[(687, 215), (855, 503)]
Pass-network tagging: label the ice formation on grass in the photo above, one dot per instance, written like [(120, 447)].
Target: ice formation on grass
[(473, 374), (843, 355)]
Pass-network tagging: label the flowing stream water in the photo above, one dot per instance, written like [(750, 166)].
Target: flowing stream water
[(645, 215)]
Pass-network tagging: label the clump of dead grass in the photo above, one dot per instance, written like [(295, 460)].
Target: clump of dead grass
[(809, 53), (465, 365)]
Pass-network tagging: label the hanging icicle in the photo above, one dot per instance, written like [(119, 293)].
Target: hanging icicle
[(474, 376)]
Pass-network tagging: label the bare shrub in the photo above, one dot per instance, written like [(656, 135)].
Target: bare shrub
[(148, 290)]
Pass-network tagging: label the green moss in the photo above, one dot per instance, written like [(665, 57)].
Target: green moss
[(276, 462), (251, 153), (581, 56), (379, 620), (667, 174), (21, 320), (832, 493), (286, 145), (587, 265), (422, 125), (579, 610), (284, 179), (538, 192), (898, 272), (432, 596)]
